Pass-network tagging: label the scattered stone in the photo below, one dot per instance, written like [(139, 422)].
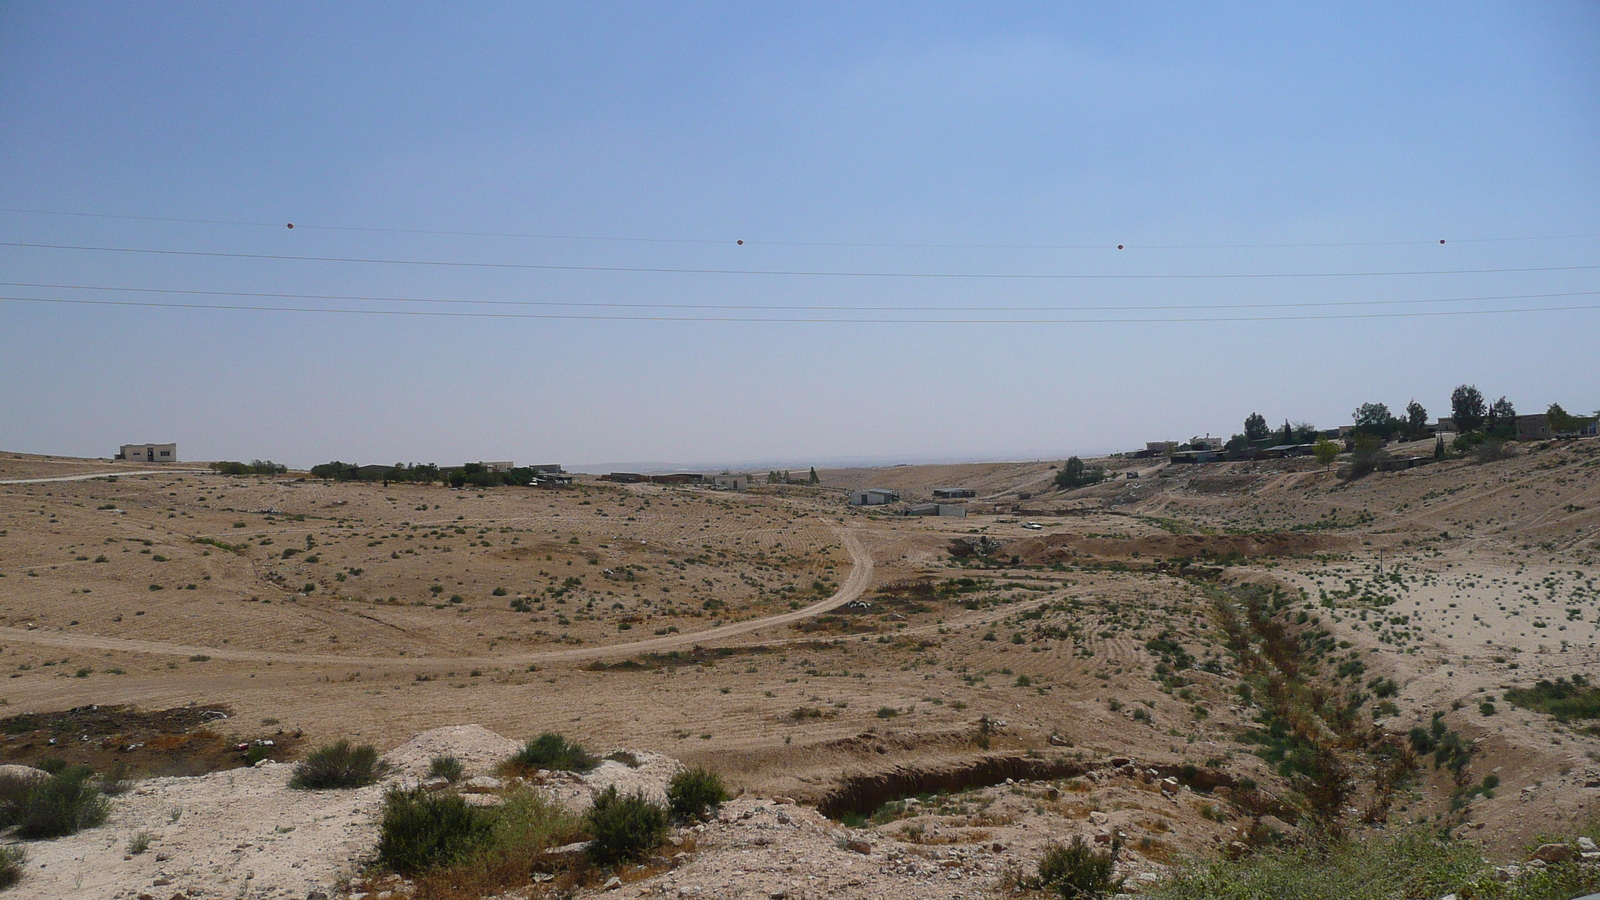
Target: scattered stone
[(856, 845), (1552, 853)]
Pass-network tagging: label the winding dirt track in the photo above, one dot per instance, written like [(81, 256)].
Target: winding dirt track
[(854, 586)]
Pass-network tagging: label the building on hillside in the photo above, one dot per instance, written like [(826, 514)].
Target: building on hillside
[(547, 469), (678, 478), (165, 453), (937, 509), (1160, 448), (730, 482), (504, 465), (624, 477), (953, 493), (873, 497), (1534, 428)]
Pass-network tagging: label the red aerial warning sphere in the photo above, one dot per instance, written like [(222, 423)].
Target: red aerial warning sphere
[(291, 224), (1441, 240), (1119, 246), (741, 242)]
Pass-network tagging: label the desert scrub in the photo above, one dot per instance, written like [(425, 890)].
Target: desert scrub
[(446, 767), (693, 793), (624, 826), (1380, 867), (519, 831), (338, 766), (61, 805), (421, 831), (552, 751), (1076, 871), (11, 860)]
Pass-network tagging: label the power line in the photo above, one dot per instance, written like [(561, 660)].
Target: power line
[(791, 320), (660, 270), (795, 307), (777, 243)]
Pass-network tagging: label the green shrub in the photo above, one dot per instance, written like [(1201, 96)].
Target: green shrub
[(1076, 871), (624, 827), (421, 831), (338, 766), (553, 751), (66, 803), (11, 860), (1381, 867), (446, 767), (693, 793)]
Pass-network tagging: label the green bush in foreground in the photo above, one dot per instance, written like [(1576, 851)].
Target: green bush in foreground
[(553, 751), (693, 793), (624, 827), (420, 830), (446, 767), (67, 802), (1380, 867), (1076, 871), (338, 766), (11, 860)]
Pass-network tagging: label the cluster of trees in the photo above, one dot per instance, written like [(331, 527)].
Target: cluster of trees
[(1376, 420), (426, 473), (1074, 474), (776, 477), (1257, 433), (253, 467)]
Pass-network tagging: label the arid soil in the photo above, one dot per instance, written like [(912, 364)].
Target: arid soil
[(794, 643)]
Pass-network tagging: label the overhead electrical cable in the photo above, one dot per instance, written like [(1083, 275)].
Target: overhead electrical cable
[(1108, 245), (794, 307), (663, 270), (789, 320)]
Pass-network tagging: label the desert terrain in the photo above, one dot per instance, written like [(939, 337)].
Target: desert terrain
[(907, 706)]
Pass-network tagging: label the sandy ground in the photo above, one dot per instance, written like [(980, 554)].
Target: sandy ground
[(830, 641)]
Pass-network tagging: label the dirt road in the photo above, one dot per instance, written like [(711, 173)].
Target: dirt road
[(854, 586)]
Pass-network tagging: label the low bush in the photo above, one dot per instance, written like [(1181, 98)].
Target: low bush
[(11, 860), (1077, 871), (624, 826), (66, 803), (446, 767), (1382, 867), (553, 751), (338, 766), (421, 831), (693, 793)]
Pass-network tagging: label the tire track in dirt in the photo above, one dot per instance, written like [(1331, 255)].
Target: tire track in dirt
[(854, 586)]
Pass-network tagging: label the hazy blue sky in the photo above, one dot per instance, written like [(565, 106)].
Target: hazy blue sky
[(907, 140)]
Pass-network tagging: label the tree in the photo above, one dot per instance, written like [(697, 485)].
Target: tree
[(1287, 436), (1502, 419), (1325, 451), (1305, 433), (1255, 428), (1075, 474), (1467, 408), (1373, 414), (1560, 420), (1416, 419), (1376, 420), (814, 479)]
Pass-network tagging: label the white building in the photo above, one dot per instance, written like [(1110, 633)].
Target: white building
[(729, 482), (156, 453), (872, 497)]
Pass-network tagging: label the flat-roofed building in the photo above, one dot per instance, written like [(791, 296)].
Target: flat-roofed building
[(162, 453)]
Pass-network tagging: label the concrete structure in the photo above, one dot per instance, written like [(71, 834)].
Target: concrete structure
[(729, 482), (953, 493), (623, 477), (547, 469), (1534, 428), (501, 466), (149, 452), (678, 478), (937, 509), (1160, 448), (873, 497)]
